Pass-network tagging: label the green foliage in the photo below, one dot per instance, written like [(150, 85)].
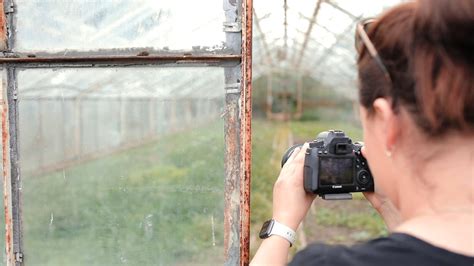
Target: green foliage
[(157, 204), (309, 129)]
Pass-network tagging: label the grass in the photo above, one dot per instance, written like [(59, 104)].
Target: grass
[(162, 203)]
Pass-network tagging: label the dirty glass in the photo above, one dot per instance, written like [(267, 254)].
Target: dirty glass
[(122, 166), (60, 25)]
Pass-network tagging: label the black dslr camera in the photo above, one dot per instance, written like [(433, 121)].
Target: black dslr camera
[(334, 166)]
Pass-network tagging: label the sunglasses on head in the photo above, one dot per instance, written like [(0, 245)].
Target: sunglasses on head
[(362, 40)]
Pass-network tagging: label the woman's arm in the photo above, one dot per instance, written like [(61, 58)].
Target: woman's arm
[(273, 251), (385, 208), (290, 205)]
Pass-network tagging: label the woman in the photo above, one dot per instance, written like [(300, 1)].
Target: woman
[(416, 74)]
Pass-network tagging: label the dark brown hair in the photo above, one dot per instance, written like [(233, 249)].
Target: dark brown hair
[(428, 49)]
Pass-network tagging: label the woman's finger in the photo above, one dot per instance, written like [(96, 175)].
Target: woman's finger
[(362, 150), (301, 154), (293, 154)]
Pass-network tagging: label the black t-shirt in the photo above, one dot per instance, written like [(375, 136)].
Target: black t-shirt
[(396, 249)]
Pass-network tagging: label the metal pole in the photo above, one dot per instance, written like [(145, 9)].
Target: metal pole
[(285, 34), (269, 99), (268, 56), (232, 156), (7, 173), (299, 99), (12, 171), (246, 132), (11, 175), (308, 33)]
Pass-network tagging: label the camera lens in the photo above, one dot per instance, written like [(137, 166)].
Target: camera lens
[(288, 153), (363, 177)]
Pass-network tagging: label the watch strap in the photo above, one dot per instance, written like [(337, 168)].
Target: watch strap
[(283, 231)]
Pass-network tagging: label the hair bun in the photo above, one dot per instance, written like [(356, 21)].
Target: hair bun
[(443, 63), (447, 24)]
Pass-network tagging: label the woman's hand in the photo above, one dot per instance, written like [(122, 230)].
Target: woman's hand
[(384, 206), (290, 204), (290, 200)]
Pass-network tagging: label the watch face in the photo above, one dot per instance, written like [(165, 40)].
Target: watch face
[(266, 229)]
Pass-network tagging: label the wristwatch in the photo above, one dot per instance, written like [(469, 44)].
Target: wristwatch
[(272, 227)]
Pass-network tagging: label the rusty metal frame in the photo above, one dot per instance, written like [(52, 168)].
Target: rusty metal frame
[(236, 59), (174, 60), (246, 129)]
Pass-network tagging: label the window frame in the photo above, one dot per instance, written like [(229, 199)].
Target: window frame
[(237, 64)]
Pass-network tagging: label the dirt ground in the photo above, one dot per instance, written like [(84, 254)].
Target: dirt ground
[(337, 227)]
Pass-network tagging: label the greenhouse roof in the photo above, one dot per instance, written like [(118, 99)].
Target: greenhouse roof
[(312, 38)]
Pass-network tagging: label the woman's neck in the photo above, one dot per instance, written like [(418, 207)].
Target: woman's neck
[(451, 231), (436, 200), (445, 183)]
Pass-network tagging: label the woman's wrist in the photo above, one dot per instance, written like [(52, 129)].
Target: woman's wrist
[(287, 220)]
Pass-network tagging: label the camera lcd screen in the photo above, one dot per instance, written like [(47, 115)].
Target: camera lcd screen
[(335, 171)]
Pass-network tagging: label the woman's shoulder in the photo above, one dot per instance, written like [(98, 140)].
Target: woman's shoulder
[(396, 249)]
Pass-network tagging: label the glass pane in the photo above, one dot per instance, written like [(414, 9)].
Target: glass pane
[(122, 166), (52, 25)]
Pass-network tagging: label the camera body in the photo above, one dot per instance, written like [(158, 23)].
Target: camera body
[(334, 165)]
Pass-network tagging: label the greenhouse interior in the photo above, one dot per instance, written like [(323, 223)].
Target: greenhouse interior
[(151, 132)]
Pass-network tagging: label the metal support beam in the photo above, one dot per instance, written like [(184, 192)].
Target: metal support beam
[(7, 173), (268, 57), (123, 60), (269, 100), (285, 35), (299, 97), (246, 132), (342, 9), (11, 173), (308, 33), (311, 21), (232, 155), (11, 168), (3, 27), (339, 38)]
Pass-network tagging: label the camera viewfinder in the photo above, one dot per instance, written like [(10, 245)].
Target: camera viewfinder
[(343, 148)]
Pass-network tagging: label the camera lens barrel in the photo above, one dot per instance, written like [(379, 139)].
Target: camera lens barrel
[(288, 153)]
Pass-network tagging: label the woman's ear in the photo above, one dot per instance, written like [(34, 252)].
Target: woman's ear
[(387, 124)]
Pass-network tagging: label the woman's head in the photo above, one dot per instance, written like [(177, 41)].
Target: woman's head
[(427, 48)]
